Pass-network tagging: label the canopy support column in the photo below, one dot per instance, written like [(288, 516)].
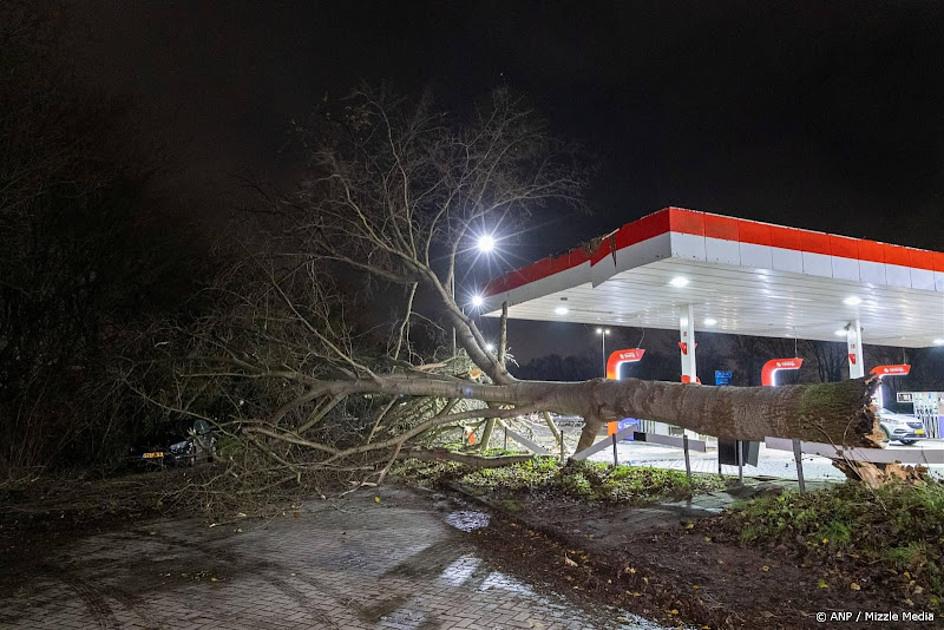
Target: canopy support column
[(854, 346), (687, 345)]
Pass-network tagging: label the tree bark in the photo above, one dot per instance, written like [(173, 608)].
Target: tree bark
[(838, 413)]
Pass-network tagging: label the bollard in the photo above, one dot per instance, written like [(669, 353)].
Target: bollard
[(740, 457), (688, 464)]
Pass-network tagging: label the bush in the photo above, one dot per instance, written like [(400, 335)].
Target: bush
[(898, 526)]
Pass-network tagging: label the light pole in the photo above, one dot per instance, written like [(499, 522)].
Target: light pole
[(485, 243), (603, 332), (452, 287)]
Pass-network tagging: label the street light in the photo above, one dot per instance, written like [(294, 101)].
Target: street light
[(603, 332), (486, 243)]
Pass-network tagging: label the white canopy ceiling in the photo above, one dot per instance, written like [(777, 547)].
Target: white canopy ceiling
[(743, 279)]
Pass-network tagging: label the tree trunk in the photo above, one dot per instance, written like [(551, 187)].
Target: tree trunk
[(837, 413)]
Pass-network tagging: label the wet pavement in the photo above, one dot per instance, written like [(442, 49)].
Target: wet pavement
[(400, 563)]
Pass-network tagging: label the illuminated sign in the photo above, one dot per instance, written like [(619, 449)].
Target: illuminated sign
[(619, 357)]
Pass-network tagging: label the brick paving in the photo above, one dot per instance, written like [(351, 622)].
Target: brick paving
[(396, 565)]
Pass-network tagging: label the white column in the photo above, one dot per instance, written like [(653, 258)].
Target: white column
[(687, 344), (854, 346)]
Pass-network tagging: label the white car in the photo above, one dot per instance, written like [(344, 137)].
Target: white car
[(899, 427)]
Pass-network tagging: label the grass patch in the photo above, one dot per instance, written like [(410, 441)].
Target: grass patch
[(898, 527), (585, 481)]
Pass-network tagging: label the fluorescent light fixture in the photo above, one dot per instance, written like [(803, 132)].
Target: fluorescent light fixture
[(486, 243), (842, 332), (561, 310), (711, 321), (852, 300), (939, 341), (477, 300), (679, 282)]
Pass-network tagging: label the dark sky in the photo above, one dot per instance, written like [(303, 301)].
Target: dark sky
[(826, 115)]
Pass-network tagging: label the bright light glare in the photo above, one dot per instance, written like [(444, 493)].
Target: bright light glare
[(939, 341), (490, 347), (841, 332), (561, 310), (599, 331), (852, 300), (679, 282), (477, 300), (711, 321), (603, 331), (486, 243)]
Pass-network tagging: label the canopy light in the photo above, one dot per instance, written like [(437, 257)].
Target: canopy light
[(939, 341), (711, 321), (490, 347), (486, 243), (852, 300), (603, 331), (561, 310), (477, 300), (679, 282), (842, 332)]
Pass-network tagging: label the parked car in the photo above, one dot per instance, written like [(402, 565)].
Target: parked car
[(899, 427), (184, 443)]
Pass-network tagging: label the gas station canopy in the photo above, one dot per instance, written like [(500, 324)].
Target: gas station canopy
[(736, 276)]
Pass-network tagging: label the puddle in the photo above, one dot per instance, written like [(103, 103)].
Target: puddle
[(468, 521), (461, 571), (499, 580)]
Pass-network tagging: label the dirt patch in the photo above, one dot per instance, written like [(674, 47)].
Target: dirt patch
[(668, 567), (46, 513)]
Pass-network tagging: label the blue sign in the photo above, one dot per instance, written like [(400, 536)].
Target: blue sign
[(627, 423), (723, 377)]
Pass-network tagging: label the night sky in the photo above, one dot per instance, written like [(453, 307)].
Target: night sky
[(824, 115)]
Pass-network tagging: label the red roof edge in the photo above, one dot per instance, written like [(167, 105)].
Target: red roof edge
[(696, 222)]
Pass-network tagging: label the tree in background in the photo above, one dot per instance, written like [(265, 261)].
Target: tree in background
[(85, 251)]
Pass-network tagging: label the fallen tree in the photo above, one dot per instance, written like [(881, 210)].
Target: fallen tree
[(291, 366)]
